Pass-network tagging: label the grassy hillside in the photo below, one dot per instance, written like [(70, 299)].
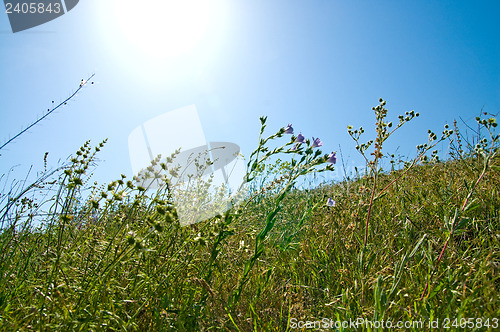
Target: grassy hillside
[(418, 244)]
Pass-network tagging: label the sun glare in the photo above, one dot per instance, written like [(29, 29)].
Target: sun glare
[(163, 28)]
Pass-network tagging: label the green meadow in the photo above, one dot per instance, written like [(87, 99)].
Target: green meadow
[(415, 241)]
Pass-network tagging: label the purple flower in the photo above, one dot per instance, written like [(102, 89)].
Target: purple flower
[(316, 143), (332, 158), (300, 139), (330, 202), (289, 129), (295, 146)]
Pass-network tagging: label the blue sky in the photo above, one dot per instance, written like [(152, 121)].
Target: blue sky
[(320, 65)]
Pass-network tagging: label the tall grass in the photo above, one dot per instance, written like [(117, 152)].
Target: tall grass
[(418, 243)]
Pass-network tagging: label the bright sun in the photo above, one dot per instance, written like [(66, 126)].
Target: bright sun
[(164, 28)]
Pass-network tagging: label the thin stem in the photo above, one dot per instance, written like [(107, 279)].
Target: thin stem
[(48, 113), (369, 210)]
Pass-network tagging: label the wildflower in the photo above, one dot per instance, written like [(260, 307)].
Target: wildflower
[(330, 202), (295, 147), (289, 129), (332, 158), (300, 139), (316, 143)]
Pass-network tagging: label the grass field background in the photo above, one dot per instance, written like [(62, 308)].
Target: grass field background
[(418, 240)]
